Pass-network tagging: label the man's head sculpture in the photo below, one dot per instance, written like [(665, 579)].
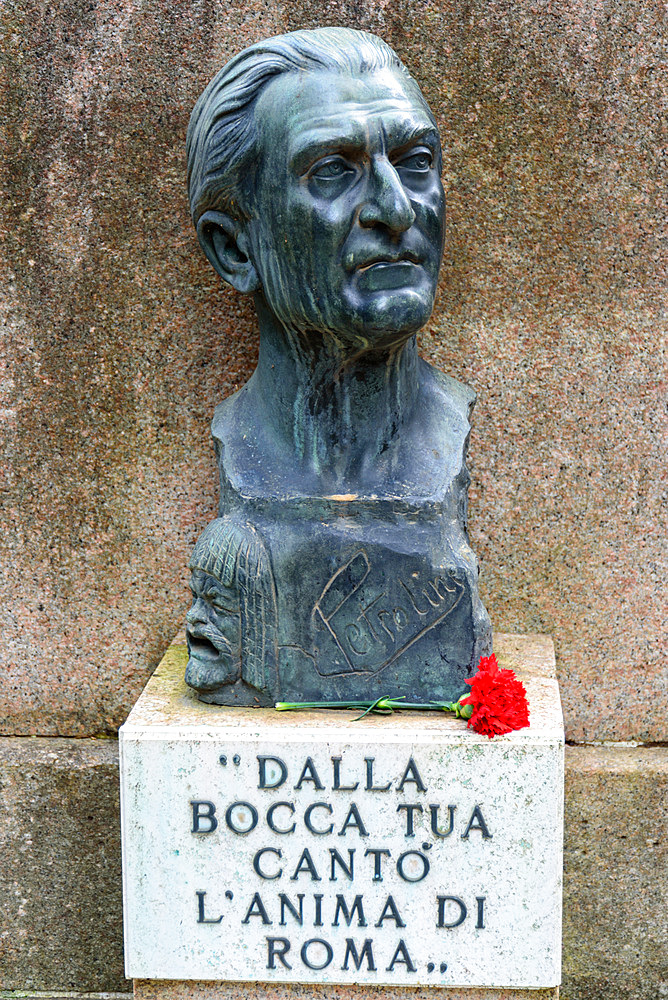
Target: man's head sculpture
[(314, 180)]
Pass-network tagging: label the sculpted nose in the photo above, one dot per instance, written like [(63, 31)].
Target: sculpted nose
[(387, 203), (197, 612)]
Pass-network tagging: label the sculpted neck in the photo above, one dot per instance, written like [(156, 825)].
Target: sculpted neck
[(336, 410)]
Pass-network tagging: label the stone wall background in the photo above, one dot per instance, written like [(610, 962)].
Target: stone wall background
[(119, 339)]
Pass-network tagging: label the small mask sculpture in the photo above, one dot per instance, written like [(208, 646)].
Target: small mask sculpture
[(314, 179), (230, 626)]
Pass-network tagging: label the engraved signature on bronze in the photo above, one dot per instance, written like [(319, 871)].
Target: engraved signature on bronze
[(373, 623)]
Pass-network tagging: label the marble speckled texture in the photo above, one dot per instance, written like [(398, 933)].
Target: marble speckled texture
[(615, 874), (119, 339), (146, 989), (60, 865)]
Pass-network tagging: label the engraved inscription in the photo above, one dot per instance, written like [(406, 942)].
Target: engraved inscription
[(373, 622), (334, 892)]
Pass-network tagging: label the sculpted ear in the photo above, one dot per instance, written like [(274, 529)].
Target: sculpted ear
[(223, 241)]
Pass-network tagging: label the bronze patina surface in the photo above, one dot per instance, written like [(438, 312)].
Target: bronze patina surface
[(340, 565)]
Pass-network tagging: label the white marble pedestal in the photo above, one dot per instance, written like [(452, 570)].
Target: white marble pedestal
[(306, 848)]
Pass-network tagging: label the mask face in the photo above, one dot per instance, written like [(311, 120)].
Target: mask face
[(213, 633), (348, 234)]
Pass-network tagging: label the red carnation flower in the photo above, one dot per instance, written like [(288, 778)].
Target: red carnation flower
[(497, 699)]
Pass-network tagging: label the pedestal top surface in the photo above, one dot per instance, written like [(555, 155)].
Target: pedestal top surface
[(167, 703)]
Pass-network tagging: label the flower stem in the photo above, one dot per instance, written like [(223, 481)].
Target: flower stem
[(381, 706), (292, 706)]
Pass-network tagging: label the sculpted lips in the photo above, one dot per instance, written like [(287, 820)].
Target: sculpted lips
[(384, 271), (379, 259), (206, 642)]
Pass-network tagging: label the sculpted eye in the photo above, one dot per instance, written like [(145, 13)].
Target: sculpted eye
[(212, 597), (215, 602), (421, 160), (330, 170)]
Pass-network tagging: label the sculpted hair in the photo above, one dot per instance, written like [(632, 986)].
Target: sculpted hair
[(221, 143), (235, 554)]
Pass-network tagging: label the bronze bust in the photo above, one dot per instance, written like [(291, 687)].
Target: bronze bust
[(344, 568)]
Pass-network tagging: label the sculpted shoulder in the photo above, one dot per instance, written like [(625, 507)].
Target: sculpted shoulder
[(451, 401), (435, 444), (421, 463)]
